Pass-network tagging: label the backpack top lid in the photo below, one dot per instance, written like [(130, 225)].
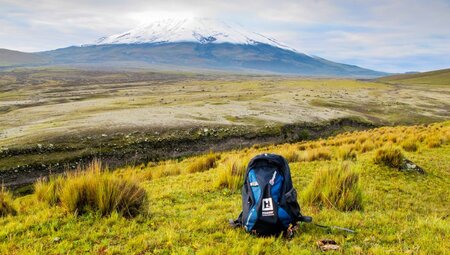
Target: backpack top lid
[(272, 159)]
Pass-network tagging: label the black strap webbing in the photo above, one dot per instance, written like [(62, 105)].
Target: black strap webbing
[(335, 227)]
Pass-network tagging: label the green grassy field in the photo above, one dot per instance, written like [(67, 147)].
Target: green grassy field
[(402, 212)]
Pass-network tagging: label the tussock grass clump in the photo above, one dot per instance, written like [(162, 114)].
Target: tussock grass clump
[(6, 203), (291, 154), (203, 163), (433, 142), (166, 168), (303, 146), (389, 156), (321, 153), (48, 191), (410, 144), (346, 152), (336, 188), (231, 173), (94, 190), (367, 146)]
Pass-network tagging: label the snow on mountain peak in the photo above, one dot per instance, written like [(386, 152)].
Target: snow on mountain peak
[(201, 30)]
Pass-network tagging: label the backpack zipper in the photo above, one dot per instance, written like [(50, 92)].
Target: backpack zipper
[(272, 181)]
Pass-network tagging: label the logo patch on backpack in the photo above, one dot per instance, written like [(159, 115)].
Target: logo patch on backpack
[(267, 207)]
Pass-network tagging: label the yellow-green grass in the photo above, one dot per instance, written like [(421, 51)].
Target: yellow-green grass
[(336, 187), (93, 190), (6, 203), (231, 173), (403, 212), (389, 156)]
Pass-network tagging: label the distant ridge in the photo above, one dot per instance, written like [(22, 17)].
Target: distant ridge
[(437, 77), (17, 58)]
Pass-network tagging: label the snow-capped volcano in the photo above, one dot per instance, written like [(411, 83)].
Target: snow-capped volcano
[(199, 30), (200, 44)]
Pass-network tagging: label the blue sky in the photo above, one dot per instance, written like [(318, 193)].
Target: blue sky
[(386, 35)]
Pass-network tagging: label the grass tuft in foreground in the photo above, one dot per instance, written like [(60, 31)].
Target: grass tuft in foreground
[(48, 190), (336, 188), (94, 190), (6, 203)]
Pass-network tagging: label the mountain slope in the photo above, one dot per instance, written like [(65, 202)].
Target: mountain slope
[(254, 58), (192, 44), (438, 77), (17, 58)]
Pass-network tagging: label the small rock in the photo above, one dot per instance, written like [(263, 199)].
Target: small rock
[(408, 165), (104, 135), (57, 239)]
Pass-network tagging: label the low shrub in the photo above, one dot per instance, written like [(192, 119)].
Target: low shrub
[(389, 156), (94, 189), (6, 203), (231, 173), (203, 163), (336, 188)]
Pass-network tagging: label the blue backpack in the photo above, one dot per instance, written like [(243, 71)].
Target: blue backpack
[(269, 200)]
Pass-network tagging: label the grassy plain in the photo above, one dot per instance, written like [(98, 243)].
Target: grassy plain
[(54, 116), (402, 212), (38, 104)]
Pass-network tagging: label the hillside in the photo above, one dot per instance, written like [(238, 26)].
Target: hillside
[(192, 56), (403, 211), (17, 58), (438, 77)]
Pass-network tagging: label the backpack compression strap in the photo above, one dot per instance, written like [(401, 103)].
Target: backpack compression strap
[(237, 222)]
